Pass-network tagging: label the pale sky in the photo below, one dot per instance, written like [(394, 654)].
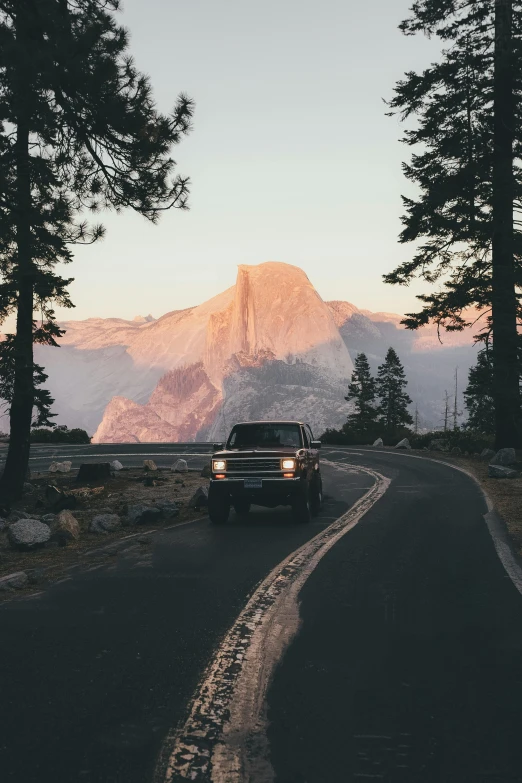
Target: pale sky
[(291, 158)]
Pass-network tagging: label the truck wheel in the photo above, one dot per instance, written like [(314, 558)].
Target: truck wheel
[(218, 510), (242, 507), (317, 497), (301, 508)]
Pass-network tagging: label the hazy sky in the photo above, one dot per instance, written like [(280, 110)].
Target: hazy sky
[(291, 159)]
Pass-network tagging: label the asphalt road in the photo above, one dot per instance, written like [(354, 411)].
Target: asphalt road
[(407, 667)]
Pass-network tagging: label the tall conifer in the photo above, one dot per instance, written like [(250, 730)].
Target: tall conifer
[(478, 395), (391, 391), (469, 134), (361, 391), (79, 132)]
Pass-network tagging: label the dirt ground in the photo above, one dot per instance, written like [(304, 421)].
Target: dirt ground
[(126, 489), (505, 494)]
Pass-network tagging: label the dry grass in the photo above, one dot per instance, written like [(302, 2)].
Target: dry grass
[(126, 489)]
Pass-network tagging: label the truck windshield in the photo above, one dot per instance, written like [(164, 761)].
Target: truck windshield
[(265, 436)]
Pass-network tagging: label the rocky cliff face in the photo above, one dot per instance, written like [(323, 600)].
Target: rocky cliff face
[(267, 347)]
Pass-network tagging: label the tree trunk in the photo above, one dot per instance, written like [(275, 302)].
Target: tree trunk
[(12, 481), (504, 304)]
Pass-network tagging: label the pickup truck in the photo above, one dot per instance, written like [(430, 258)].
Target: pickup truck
[(266, 463)]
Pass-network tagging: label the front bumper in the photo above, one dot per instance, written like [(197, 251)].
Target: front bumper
[(274, 489)]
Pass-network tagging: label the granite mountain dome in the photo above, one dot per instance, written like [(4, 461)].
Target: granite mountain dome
[(268, 346)]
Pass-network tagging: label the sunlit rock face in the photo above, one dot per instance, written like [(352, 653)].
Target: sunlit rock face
[(183, 403), (267, 347)]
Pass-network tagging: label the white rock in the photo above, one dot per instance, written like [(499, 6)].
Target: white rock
[(15, 581), (403, 444), (28, 534), (180, 466), (104, 523), (60, 467), (116, 465), (504, 457), (379, 442), (499, 471)]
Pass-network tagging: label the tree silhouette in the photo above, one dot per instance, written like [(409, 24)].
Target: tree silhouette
[(469, 131), (391, 391), (79, 132), (478, 396), (361, 391)]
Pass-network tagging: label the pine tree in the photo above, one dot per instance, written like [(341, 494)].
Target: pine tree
[(469, 132), (361, 391), (391, 391), (478, 395), (79, 132)]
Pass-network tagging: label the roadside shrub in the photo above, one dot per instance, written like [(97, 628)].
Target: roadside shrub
[(347, 436), (59, 434), (466, 440)]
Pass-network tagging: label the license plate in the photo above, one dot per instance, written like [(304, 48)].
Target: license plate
[(253, 483)]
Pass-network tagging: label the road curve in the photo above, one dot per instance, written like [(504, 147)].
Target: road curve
[(406, 666)]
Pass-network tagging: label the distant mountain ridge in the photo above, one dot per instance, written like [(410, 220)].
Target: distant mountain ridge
[(269, 346)]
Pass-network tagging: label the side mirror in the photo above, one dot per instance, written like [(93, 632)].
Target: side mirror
[(316, 444), (218, 446)]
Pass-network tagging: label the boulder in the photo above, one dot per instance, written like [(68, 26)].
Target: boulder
[(104, 523), (149, 464), (60, 467), (403, 444), (64, 528), (28, 534), (504, 457), (142, 515), (200, 498), (168, 508), (379, 442), (439, 444), (207, 471), (36, 576), (487, 454), (59, 500), (94, 471), (14, 581), (455, 450), (116, 465), (499, 471), (180, 466)]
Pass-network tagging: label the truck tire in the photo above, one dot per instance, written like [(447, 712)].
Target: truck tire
[(317, 496), (242, 507), (301, 507), (218, 510)]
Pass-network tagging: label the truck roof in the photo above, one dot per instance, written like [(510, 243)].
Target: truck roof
[(269, 421)]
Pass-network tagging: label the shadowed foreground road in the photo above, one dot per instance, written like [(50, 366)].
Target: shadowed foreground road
[(407, 667)]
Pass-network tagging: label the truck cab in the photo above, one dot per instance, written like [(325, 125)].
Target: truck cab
[(266, 463)]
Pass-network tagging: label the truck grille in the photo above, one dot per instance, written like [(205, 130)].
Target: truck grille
[(268, 465)]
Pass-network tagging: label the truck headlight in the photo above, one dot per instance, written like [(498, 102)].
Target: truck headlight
[(219, 464), (288, 464)]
